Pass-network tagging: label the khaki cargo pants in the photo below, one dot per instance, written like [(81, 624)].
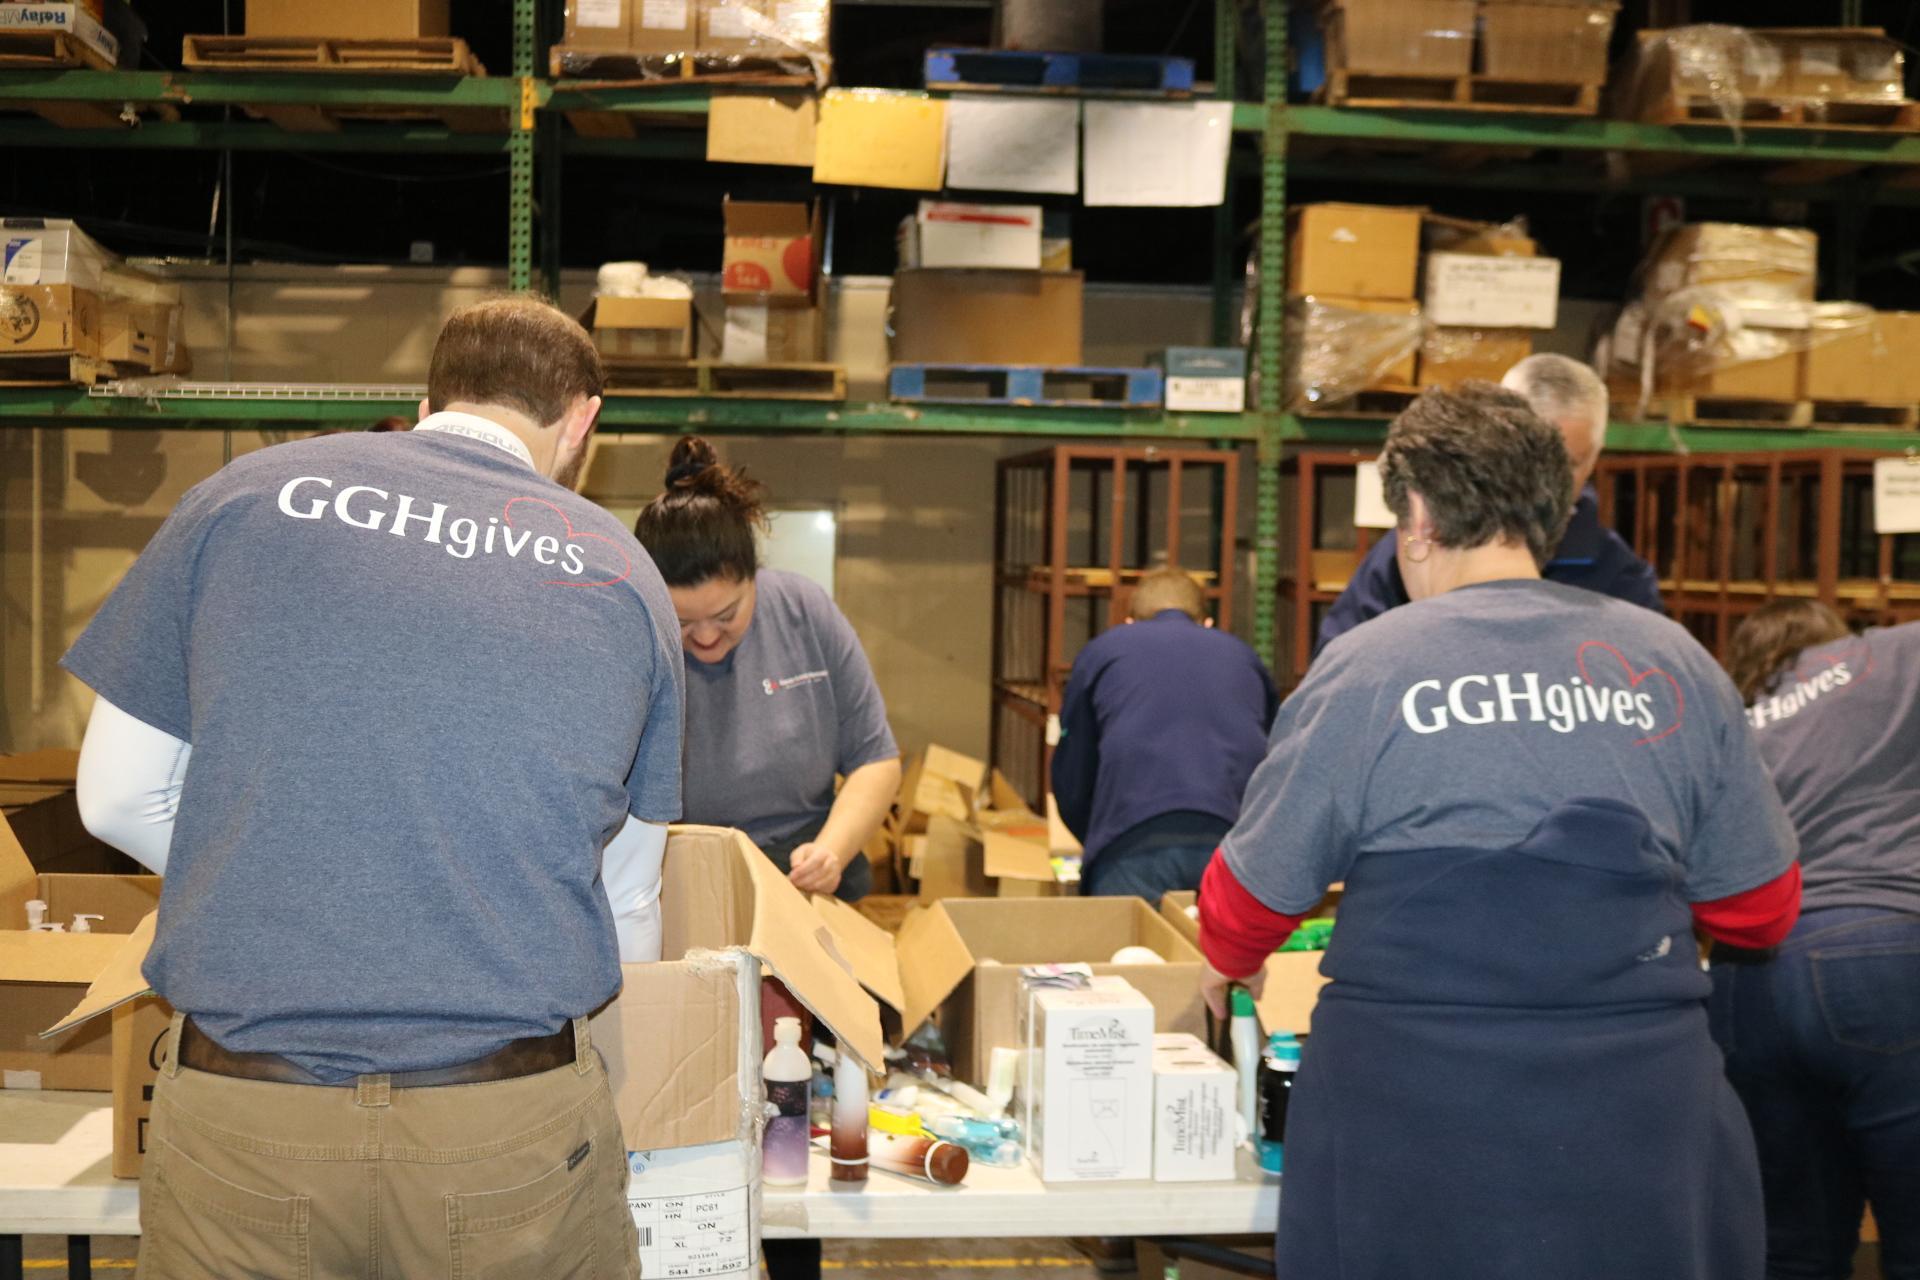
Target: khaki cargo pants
[(511, 1180)]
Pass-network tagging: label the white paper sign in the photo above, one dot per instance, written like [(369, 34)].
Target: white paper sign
[(1370, 499), (1013, 145), (1492, 292), (598, 13), (1163, 154), (1896, 495)]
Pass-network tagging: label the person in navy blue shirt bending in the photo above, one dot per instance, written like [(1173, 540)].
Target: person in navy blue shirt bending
[(1568, 395), (1163, 722)]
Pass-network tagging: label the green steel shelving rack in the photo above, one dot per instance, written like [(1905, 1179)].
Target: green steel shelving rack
[(1854, 169)]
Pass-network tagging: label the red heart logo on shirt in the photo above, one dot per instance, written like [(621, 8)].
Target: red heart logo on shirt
[(1633, 682), (625, 573)]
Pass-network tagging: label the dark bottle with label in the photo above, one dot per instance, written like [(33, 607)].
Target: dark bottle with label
[(1279, 1066)]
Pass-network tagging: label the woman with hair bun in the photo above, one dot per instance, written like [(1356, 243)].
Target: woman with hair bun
[(780, 697)]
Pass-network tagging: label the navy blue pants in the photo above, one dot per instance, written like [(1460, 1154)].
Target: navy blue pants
[(1823, 1047), (1160, 854)]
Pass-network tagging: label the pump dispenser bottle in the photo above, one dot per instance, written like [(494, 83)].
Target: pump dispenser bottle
[(789, 1077)]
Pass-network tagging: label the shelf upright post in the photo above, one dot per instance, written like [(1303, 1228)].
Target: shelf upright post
[(1270, 333), (520, 126), (1226, 238)]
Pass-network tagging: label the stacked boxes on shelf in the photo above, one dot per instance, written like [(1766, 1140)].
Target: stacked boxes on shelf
[(65, 297), (1798, 75), (1548, 55), (1353, 321), (1485, 292), (985, 284), (643, 39), (348, 19)]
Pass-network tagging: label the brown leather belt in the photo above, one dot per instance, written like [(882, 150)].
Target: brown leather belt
[(510, 1062)]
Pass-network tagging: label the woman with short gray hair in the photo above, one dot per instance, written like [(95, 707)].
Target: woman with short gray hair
[(1533, 793)]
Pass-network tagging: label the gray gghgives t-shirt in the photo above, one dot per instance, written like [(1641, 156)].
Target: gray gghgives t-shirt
[(1841, 732), (771, 723), (423, 686), (1460, 721)]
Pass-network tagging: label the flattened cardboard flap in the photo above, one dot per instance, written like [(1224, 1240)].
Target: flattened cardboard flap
[(867, 947), (18, 882), (117, 980), (765, 218), (934, 961), (1017, 855), (55, 765)]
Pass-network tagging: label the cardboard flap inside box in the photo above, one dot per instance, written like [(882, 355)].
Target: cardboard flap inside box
[(1293, 977)]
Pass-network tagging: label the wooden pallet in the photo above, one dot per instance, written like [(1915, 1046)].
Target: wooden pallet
[(435, 55), (1350, 88), (54, 370), (1375, 402), (1031, 71), (614, 69), (1053, 386), (1861, 415), (1788, 113), (711, 378), (31, 50), (1732, 411)]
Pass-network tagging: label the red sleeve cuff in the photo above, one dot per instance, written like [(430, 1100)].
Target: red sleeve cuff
[(1237, 931), (1759, 918)]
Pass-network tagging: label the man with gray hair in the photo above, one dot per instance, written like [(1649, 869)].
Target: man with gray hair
[(1568, 395)]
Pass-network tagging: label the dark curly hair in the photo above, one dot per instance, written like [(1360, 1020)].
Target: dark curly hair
[(1487, 466), (701, 526)]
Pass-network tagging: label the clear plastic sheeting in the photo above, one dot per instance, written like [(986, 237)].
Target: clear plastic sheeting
[(1341, 347), (691, 39), (1510, 239), (1761, 261), (1804, 75)]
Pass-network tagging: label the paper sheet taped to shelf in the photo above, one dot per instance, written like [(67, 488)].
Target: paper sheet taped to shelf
[(1159, 154), (1896, 495), (1005, 144)]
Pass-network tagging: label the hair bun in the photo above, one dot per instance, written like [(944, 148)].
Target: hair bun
[(692, 456)]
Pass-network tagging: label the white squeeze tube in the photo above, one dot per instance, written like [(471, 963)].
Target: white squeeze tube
[(1246, 1062)]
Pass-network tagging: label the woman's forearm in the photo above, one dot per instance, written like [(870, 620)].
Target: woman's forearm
[(862, 805)]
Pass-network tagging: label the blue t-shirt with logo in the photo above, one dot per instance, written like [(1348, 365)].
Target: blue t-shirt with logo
[(1461, 721), (770, 724), (1841, 733), (423, 686)]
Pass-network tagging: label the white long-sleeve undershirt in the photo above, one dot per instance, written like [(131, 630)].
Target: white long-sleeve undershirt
[(129, 785)]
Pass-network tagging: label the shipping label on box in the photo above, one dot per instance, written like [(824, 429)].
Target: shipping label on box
[(947, 233), (1467, 289), (1089, 1084), (1194, 1096), (694, 1209)]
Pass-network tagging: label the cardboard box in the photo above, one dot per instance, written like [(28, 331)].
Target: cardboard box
[(1449, 357), (42, 974), (55, 319), (1546, 40), (1206, 379), (1293, 977), (772, 333), (1828, 64), (949, 233), (1354, 251), (661, 26), (939, 780), (1339, 346), (1478, 291), (1392, 37), (882, 138), (1765, 261), (1442, 234), (1195, 1093), (348, 19), (987, 317), (600, 24), (1087, 1087), (1156, 1259), (143, 334), (75, 20), (630, 329), (762, 128), (1872, 357), (772, 250), (37, 800), (51, 251), (735, 27), (1770, 378), (139, 1038)]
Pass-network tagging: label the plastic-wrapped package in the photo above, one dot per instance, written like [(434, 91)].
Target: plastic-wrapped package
[(1761, 261), (1546, 40), (1450, 355), (1807, 75), (1442, 234), (1339, 347), (1393, 37), (685, 39)]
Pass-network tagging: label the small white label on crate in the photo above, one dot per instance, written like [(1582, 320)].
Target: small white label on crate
[(1207, 395), (663, 15), (1370, 499), (597, 13), (1896, 495), (710, 1234), (729, 22)]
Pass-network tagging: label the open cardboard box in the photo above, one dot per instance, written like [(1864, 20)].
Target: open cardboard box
[(641, 328), (681, 1040), (42, 974), (1293, 977), (37, 799), (962, 958)]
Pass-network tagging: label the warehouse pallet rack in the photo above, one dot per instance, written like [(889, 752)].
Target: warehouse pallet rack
[(1075, 526), (1427, 148)]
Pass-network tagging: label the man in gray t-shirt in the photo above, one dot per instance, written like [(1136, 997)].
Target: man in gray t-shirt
[(413, 688)]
